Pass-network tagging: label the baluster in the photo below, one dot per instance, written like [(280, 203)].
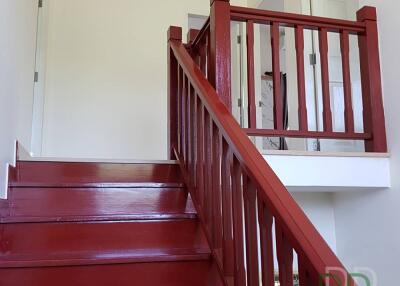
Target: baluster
[(267, 253), (285, 257), (188, 132), (208, 171), (304, 274), (250, 206), (179, 110), (195, 144), (301, 83), (326, 98), (217, 211), (184, 115), (203, 56), (348, 105), (276, 75), (227, 221), (250, 76), (237, 197), (200, 152)]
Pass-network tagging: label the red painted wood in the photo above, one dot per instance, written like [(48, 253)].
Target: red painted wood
[(250, 209), (284, 254), (227, 217), (252, 108), (266, 245), (181, 273), (80, 204), (192, 35), (220, 50), (306, 134), (348, 104), (276, 70), (237, 202), (326, 98), (200, 154), (240, 155), (374, 117), (53, 244), (69, 174), (216, 191), (292, 20), (301, 82)]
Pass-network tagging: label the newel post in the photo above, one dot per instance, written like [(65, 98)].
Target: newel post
[(220, 49), (174, 34), (374, 116)]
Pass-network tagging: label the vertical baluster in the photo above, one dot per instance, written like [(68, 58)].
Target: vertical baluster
[(193, 137), (217, 211), (276, 74), (190, 137), (267, 253), (179, 109), (250, 206), (195, 144), (301, 83), (184, 113), (326, 98), (250, 76), (348, 105), (203, 56), (208, 171), (304, 274), (285, 257), (227, 221), (200, 152), (237, 197), (188, 129)]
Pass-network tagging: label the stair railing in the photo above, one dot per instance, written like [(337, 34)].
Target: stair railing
[(250, 219), (211, 48)]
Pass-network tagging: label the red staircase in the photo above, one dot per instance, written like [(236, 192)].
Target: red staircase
[(102, 224), (220, 216)]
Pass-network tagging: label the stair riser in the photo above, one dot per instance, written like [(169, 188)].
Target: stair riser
[(78, 204)]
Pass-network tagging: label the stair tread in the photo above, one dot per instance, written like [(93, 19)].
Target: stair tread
[(92, 174), (179, 273), (46, 244), (82, 204)]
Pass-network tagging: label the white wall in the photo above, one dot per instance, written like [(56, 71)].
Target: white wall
[(105, 94), (368, 224), (17, 49)]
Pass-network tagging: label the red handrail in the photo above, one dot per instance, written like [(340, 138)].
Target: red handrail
[(240, 200)]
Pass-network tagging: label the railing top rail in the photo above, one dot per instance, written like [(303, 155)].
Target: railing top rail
[(291, 19), (303, 234), (201, 33)]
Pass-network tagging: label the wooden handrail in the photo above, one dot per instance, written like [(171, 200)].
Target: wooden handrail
[(228, 178), (292, 20)]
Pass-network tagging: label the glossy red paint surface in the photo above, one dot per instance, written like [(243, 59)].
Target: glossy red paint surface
[(46, 244), (61, 174), (79, 204), (187, 273)]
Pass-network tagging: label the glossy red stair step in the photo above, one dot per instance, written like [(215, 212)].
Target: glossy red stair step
[(186, 273), (69, 174), (54, 244), (80, 204)]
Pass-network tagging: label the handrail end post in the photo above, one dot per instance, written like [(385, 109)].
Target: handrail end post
[(374, 115), (220, 50), (174, 33), (191, 35)]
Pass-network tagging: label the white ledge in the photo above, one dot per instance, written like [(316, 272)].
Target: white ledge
[(330, 172)]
